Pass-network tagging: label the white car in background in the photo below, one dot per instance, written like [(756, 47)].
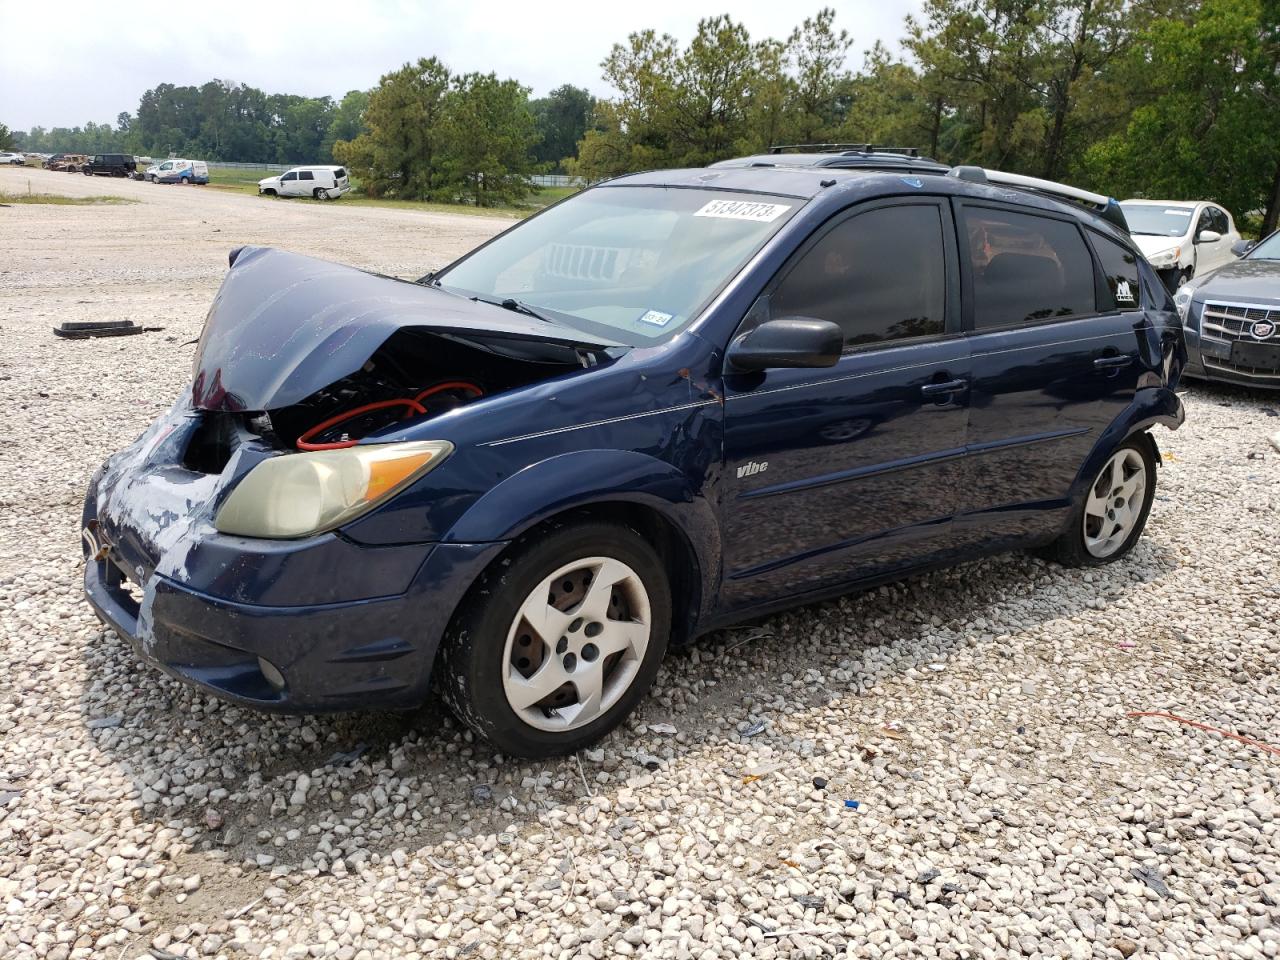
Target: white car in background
[(321, 183), (13, 159), (1181, 238)]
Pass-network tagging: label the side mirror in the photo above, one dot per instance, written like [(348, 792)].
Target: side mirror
[(787, 342), (1208, 236), (1241, 247)]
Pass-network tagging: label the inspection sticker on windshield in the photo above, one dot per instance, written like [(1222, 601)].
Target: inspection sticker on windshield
[(656, 317), (743, 210)]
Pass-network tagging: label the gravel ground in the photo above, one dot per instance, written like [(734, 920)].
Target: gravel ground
[(1006, 805)]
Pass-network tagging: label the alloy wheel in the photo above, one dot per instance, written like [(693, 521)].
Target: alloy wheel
[(576, 644), (1115, 502)]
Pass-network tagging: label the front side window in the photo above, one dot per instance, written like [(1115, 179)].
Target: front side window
[(1120, 265), (289, 176), (1206, 220), (1026, 268), (1221, 222), (879, 276), (633, 264)]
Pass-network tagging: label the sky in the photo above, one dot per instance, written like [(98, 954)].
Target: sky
[(65, 63)]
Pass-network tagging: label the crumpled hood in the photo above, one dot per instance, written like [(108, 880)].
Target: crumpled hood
[(1251, 281), (283, 326), (1150, 245)]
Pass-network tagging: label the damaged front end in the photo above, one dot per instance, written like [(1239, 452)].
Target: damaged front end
[(213, 541)]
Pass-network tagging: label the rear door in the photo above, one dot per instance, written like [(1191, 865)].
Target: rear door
[(852, 471), (1056, 348)]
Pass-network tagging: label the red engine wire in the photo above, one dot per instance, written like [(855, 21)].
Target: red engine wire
[(414, 405)]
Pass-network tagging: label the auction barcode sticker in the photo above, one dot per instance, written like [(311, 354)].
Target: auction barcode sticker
[(743, 210)]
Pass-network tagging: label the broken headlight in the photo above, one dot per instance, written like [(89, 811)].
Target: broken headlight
[(301, 494)]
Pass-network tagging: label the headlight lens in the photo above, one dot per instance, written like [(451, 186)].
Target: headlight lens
[(1166, 258), (300, 494), (1182, 300)]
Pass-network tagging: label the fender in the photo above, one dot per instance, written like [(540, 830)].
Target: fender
[(1150, 405), (585, 477)]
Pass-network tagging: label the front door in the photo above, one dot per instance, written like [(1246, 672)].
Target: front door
[(1056, 347), (289, 184), (848, 472)]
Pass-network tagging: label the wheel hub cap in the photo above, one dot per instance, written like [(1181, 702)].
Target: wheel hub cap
[(1114, 503), (576, 644)]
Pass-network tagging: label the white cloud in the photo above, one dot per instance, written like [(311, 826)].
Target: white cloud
[(66, 63)]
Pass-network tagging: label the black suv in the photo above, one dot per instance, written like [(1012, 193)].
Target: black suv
[(110, 165)]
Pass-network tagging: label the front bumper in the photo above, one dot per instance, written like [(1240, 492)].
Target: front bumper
[(364, 654)]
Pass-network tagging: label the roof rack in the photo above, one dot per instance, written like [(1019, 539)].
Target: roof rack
[(843, 148), (1107, 207)]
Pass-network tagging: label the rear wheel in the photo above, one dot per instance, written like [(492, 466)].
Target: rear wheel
[(558, 641), (186, 181), (1112, 514)]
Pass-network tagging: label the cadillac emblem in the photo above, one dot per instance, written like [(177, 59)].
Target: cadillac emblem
[(1262, 329)]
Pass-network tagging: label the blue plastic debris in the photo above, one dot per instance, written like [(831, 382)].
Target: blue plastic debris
[(851, 804)]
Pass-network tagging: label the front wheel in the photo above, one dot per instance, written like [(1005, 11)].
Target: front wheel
[(1110, 517), (557, 642)]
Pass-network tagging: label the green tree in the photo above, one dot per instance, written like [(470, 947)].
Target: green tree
[(348, 119), (562, 118), (1215, 133), (489, 137), (7, 139), (399, 153)]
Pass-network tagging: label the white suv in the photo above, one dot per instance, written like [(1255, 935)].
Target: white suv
[(1181, 238), (322, 183)]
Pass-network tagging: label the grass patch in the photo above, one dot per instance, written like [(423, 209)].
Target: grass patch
[(60, 201), (236, 180)]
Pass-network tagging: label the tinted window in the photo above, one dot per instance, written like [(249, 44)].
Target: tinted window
[(339, 173), (290, 176), (305, 175), (1120, 266), (879, 276), (1026, 268)]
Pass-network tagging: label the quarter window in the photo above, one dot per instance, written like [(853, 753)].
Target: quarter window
[(1026, 268), (1120, 265), (879, 276)]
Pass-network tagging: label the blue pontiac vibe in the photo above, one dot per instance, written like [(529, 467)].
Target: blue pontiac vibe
[(674, 401)]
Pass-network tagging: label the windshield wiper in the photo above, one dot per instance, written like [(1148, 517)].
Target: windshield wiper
[(518, 306)]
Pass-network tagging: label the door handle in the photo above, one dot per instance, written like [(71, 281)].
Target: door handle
[(1112, 363), (931, 391)]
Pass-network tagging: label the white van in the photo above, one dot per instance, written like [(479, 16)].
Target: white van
[(177, 170), (322, 183)]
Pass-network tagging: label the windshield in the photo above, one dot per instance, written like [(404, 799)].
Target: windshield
[(634, 264), (1268, 249), (1157, 221)]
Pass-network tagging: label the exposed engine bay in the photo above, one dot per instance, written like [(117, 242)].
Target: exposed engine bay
[(417, 374)]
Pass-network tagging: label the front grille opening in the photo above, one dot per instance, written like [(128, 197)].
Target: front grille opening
[(212, 442)]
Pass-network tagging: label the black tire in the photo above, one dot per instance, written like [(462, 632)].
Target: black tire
[(318, 194), (1070, 548), (470, 669), (268, 192)]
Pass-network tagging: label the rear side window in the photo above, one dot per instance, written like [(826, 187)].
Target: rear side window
[(1120, 266), (879, 276), (1026, 268), (305, 175)]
